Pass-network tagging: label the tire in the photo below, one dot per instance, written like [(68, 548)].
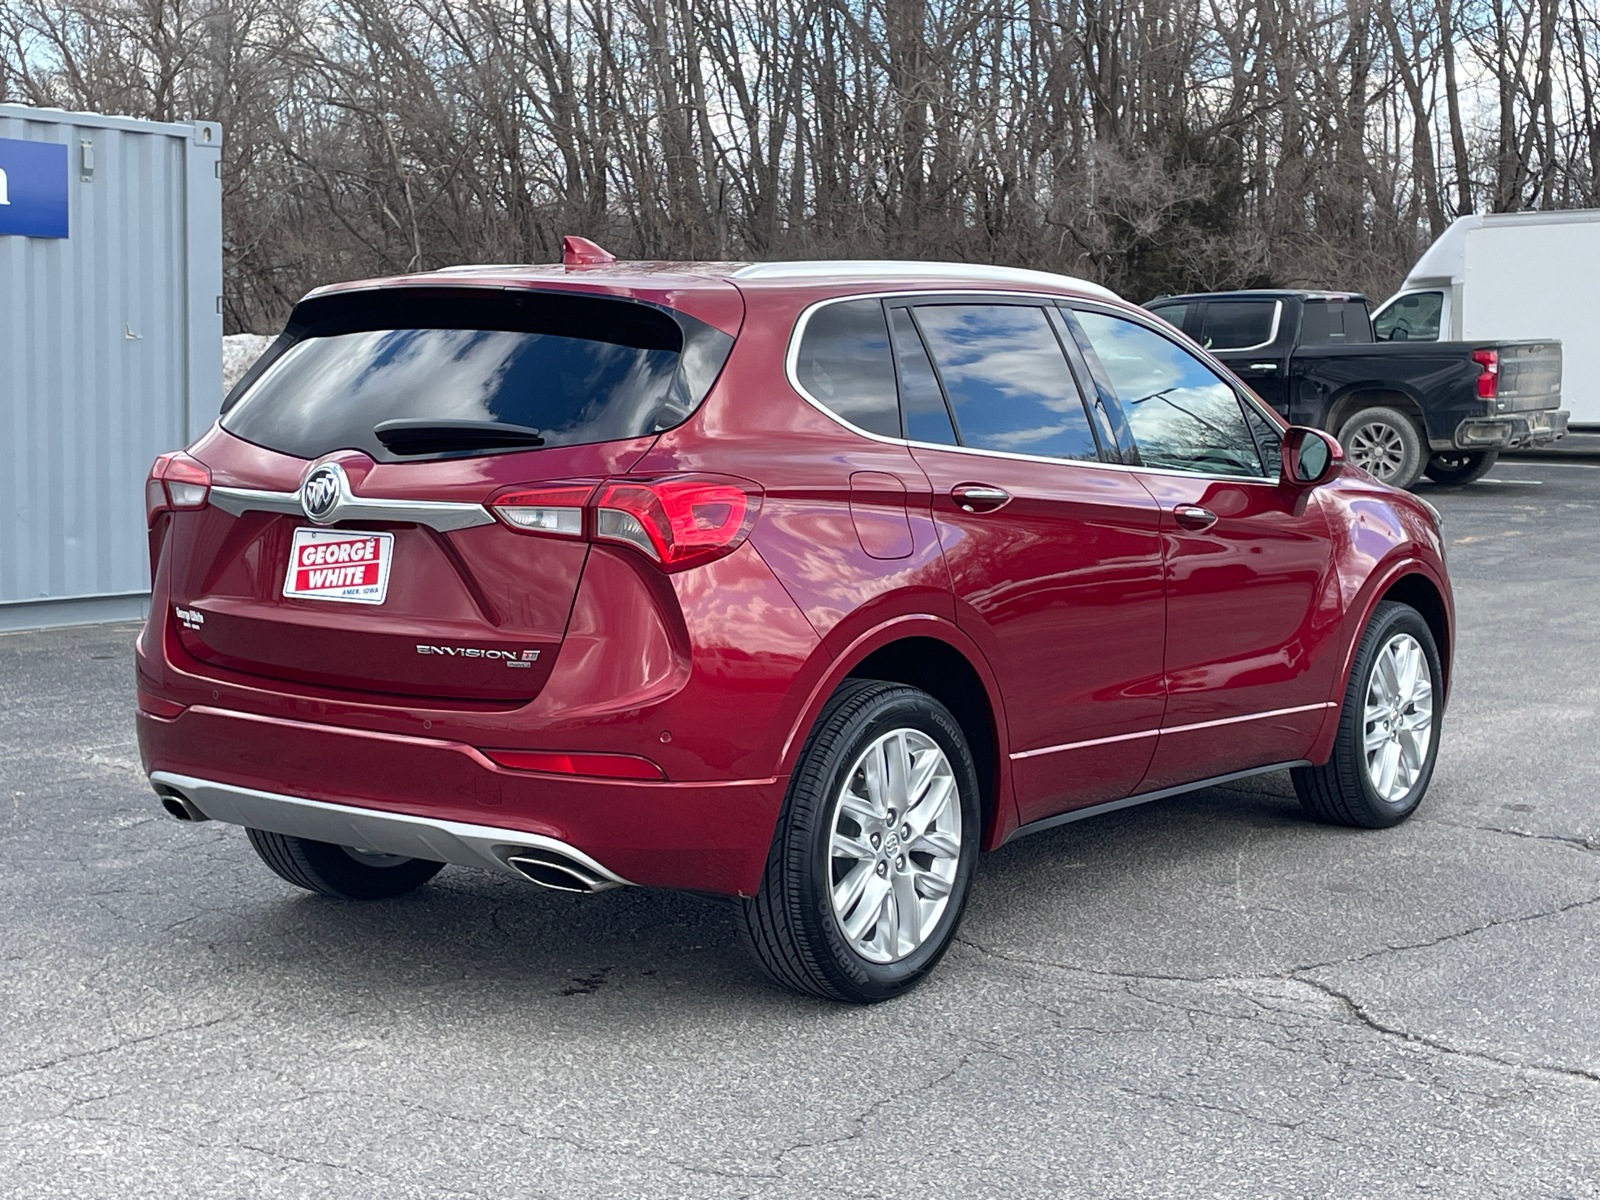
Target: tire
[(1454, 468), (1385, 443), (339, 871), (1350, 788), (794, 923)]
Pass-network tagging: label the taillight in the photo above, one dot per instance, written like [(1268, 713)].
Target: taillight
[(603, 766), (678, 522), (176, 481), (553, 510), (1489, 379)]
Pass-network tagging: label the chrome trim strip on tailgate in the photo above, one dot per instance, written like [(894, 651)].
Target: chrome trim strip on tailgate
[(443, 515), (372, 829)]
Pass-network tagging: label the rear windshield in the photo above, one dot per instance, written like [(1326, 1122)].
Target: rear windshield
[(578, 369)]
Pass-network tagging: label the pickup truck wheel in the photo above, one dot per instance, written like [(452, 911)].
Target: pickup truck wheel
[(1385, 443), (1456, 467), (340, 871), (875, 850), (1388, 737)]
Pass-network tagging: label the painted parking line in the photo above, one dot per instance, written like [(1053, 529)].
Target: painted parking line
[(1516, 482), (1523, 462)]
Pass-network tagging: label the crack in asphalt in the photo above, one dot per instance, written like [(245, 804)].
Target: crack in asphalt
[(120, 1045), (1351, 1005), (1589, 842), (1361, 1014)]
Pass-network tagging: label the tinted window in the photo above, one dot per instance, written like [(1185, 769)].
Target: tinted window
[(927, 418), (1172, 314), (1008, 382), (1334, 323), (844, 362), (1413, 318), (1238, 324), (577, 369), (1183, 416)]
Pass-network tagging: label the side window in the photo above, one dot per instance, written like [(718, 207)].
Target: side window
[(844, 362), (927, 418), (1240, 324), (1269, 439), (1007, 379), (1172, 314), (1333, 323), (1413, 318), (1183, 416)]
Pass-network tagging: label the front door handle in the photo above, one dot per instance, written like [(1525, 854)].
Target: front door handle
[(1192, 516), (978, 497), (1262, 367)]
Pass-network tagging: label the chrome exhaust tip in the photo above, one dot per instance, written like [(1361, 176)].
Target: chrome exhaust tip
[(556, 871), (178, 805)]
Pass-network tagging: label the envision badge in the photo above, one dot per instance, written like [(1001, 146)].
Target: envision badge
[(512, 658), (319, 494)]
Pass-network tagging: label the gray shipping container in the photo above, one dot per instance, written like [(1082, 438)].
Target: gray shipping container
[(110, 349)]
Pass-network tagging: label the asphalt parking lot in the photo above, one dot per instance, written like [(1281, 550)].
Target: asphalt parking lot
[(1206, 996)]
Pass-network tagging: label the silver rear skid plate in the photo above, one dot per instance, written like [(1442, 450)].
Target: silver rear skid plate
[(545, 861)]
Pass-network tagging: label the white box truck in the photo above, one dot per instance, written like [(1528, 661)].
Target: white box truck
[(1511, 276)]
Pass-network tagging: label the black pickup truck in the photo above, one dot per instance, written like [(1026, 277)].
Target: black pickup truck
[(1400, 408)]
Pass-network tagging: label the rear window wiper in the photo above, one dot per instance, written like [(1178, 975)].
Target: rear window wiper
[(425, 435)]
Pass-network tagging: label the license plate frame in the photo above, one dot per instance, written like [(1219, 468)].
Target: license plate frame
[(357, 576)]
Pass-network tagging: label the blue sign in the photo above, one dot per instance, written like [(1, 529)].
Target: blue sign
[(33, 189)]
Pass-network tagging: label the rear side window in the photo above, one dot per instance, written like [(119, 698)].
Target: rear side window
[(844, 362), (1334, 323), (1240, 324), (1172, 314), (1007, 379), (577, 369), (1413, 318), (1183, 416)]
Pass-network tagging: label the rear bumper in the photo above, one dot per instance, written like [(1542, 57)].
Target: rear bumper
[(370, 829), (1504, 431), (444, 800)]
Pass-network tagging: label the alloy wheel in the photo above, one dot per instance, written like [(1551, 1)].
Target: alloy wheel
[(1398, 719), (1378, 448), (894, 845)]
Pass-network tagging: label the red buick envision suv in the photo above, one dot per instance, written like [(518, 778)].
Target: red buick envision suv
[(796, 582)]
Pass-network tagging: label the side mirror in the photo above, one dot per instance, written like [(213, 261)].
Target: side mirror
[(1309, 456)]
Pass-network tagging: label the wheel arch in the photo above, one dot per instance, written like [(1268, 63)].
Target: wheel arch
[(1410, 582), (934, 655), (1361, 396)]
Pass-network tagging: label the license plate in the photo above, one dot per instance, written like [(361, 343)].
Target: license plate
[(326, 564)]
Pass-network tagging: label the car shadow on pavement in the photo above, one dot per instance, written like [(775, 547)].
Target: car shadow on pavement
[(501, 942)]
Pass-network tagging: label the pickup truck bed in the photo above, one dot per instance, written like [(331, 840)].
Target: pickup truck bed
[(1401, 408)]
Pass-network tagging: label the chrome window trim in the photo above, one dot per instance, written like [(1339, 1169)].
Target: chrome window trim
[(1277, 316), (792, 357)]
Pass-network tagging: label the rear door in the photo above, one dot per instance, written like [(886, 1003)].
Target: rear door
[(349, 541), (1253, 605), (1055, 560), (1254, 336)]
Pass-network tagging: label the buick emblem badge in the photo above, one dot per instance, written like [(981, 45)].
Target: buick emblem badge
[(319, 494)]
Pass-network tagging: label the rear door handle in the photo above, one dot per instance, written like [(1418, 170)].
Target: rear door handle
[(1191, 516), (978, 497), (1262, 367)]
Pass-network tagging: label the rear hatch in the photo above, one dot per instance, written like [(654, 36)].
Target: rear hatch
[(348, 539)]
